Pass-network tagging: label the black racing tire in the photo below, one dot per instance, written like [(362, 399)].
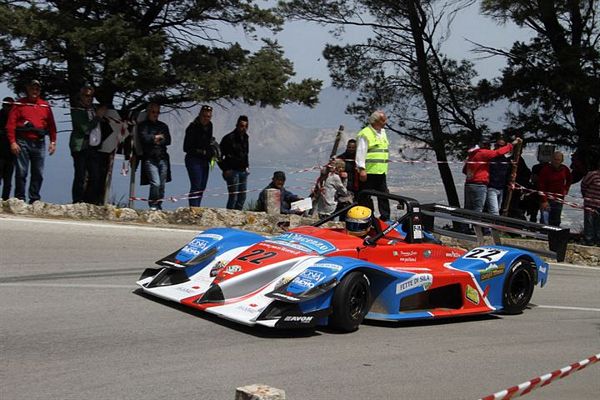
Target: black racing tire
[(518, 287), (351, 302)]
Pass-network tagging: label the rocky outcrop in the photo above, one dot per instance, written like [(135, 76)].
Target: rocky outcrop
[(199, 217), (203, 218)]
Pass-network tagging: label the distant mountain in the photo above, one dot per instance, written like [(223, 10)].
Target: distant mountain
[(293, 134)]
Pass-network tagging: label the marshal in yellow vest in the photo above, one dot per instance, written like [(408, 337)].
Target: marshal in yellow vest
[(378, 153)]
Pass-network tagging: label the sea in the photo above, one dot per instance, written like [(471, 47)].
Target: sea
[(419, 180)]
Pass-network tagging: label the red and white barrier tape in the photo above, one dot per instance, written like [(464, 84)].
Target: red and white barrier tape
[(558, 197), (526, 387)]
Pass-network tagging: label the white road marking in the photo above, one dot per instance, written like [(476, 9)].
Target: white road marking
[(569, 308), (568, 266), (108, 224), (68, 285)]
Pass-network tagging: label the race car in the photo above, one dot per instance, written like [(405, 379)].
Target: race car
[(322, 276)]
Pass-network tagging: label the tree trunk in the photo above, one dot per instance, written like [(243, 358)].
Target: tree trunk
[(417, 28)]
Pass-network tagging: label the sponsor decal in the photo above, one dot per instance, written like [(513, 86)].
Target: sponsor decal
[(303, 319), (491, 272), (543, 269), (418, 280), (333, 267), (417, 232), (190, 251), (453, 254), (308, 279), (408, 256), (214, 271), (199, 244), (312, 275), (232, 269), (186, 290), (472, 295), (318, 245), (283, 249), (212, 236), (485, 254), (249, 309), (303, 283)]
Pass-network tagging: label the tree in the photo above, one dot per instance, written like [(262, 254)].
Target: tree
[(168, 50), (555, 78), (400, 69)]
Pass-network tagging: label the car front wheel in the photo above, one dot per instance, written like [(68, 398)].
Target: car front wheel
[(518, 287), (351, 302)]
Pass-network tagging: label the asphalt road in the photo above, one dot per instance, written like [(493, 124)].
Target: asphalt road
[(72, 327)]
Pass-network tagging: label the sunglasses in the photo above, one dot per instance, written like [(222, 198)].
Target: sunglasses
[(206, 108)]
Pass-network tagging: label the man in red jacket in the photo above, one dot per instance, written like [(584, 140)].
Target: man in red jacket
[(554, 179), (29, 121), (477, 170)]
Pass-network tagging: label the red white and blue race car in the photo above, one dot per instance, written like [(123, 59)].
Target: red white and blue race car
[(314, 276)]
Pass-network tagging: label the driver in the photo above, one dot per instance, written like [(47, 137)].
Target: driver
[(358, 221)]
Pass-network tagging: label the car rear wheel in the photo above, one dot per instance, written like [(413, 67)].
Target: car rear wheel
[(518, 287), (351, 302)]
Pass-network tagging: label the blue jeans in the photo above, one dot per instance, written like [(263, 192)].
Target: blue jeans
[(493, 200), (475, 195), (197, 169), (236, 186), (551, 215), (32, 153), (591, 226), (157, 177)]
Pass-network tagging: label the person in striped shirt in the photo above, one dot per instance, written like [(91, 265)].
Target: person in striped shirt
[(590, 189)]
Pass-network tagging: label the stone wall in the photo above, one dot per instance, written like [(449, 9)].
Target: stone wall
[(203, 218)]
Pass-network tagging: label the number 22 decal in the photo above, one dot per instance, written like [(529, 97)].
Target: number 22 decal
[(256, 256), (487, 255)]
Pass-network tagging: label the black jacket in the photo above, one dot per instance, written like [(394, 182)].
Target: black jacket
[(198, 139), (234, 151), (154, 151)]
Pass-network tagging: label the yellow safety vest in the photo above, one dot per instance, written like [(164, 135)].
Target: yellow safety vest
[(376, 161)]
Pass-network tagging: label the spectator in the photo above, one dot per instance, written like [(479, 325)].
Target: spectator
[(155, 137), (477, 171), (234, 163), (287, 197), (372, 155), (554, 179), (7, 159), (590, 189), (85, 119), (99, 159), (533, 199), (29, 121), (349, 157), (198, 153), (499, 174), (333, 190)]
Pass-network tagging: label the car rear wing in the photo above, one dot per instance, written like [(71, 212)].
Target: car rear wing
[(557, 238)]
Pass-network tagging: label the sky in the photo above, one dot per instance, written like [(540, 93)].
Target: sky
[(303, 44)]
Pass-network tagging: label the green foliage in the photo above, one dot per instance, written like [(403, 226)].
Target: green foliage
[(555, 77), (130, 51), (383, 68)]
